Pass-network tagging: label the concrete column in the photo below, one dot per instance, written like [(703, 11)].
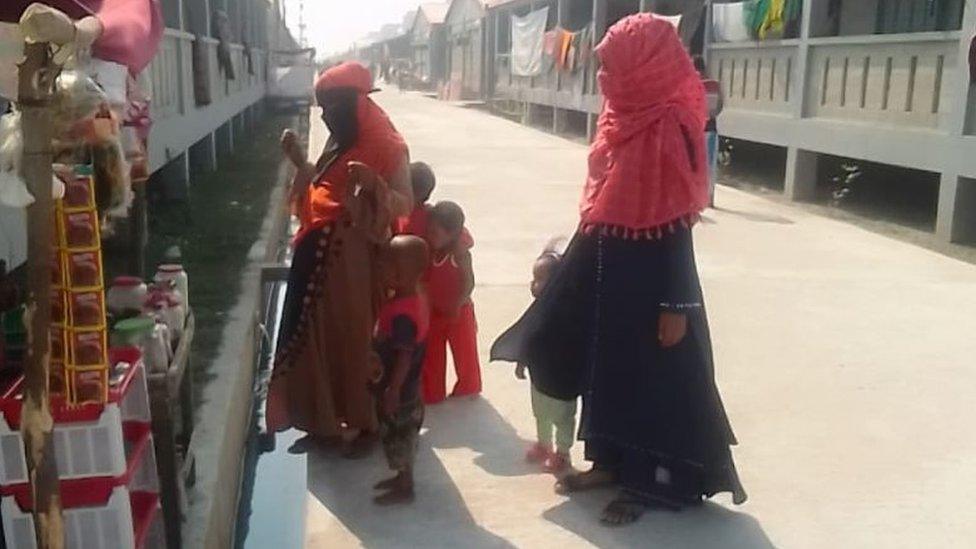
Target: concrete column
[(599, 19), (956, 219), (203, 156), (590, 127), (240, 128), (801, 174), (173, 179), (798, 93), (958, 107), (560, 120), (224, 137)]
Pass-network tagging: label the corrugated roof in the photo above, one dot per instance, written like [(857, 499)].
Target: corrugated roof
[(496, 3), (435, 12)]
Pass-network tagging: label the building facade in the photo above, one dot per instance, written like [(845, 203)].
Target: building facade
[(882, 81), (873, 80)]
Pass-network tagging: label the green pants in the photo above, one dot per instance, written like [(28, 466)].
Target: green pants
[(552, 414)]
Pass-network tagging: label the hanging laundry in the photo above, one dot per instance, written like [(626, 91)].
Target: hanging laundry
[(675, 20), (729, 22), (586, 47), (772, 24), (528, 42), (550, 50), (565, 42)]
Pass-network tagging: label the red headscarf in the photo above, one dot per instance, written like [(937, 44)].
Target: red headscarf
[(647, 167), (378, 145)]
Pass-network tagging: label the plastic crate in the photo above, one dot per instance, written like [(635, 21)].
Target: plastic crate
[(129, 520), (89, 440), (99, 513)]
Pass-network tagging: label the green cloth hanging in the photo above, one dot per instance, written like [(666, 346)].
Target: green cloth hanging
[(755, 13)]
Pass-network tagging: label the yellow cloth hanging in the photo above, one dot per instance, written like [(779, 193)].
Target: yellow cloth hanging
[(774, 22)]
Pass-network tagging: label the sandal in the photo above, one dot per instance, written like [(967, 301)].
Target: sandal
[(585, 481), (623, 511)]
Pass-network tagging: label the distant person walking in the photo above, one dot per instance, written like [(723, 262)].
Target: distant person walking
[(346, 203), (715, 103), (622, 322)]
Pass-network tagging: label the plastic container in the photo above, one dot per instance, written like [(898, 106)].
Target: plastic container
[(158, 349), (81, 230), (126, 296), (170, 312), (88, 348), (79, 192), (87, 309), (175, 273), (132, 331), (84, 269)]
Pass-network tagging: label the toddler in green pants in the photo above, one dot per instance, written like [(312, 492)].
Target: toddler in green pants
[(553, 417)]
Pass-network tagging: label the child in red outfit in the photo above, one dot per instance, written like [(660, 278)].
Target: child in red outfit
[(450, 281), (423, 181)]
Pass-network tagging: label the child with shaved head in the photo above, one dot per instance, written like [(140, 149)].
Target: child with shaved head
[(400, 341)]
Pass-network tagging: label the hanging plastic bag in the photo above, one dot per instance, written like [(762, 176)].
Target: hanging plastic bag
[(77, 98)]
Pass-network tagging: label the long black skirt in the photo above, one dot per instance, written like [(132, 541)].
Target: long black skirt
[(651, 415)]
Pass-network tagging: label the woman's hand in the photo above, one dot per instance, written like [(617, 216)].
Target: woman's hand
[(520, 371), (292, 148), (671, 328), (364, 176)]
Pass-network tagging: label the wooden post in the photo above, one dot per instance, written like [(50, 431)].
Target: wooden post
[(36, 83)]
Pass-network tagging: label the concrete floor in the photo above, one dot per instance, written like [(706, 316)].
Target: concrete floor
[(846, 361)]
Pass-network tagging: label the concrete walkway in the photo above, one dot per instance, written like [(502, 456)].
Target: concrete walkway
[(846, 361)]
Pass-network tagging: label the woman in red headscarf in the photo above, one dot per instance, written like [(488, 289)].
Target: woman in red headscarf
[(622, 323), (346, 203)]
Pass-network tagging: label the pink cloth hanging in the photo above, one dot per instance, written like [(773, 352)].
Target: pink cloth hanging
[(131, 29)]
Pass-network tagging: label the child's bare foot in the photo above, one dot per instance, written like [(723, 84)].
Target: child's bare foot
[(387, 484), (556, 463), (399, 490), (538, 453)]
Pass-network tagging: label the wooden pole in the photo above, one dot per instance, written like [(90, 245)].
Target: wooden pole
[(36, 83)]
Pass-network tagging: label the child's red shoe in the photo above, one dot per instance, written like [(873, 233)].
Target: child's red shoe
[(556, 463), (538, 453)]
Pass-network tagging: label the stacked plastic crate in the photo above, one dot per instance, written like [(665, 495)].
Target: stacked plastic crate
[(79, 336), (106, 463), (102, 434)]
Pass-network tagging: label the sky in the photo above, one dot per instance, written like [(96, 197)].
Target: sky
[(333, 25)]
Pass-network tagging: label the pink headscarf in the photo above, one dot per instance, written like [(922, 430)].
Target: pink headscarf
[(647, 167)]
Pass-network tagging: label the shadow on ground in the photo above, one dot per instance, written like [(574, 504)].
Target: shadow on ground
[(440, 517), (477, 425), (706, 527)]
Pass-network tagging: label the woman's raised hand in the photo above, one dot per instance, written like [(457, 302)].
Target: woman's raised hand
[(364, 176), (292, 148)]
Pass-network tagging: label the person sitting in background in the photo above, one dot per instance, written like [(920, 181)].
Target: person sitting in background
[(400, 342), (450, 281)]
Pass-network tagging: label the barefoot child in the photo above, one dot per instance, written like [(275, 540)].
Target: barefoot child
[(399, 341), (422, 180), (553, 416), (450, 281)]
